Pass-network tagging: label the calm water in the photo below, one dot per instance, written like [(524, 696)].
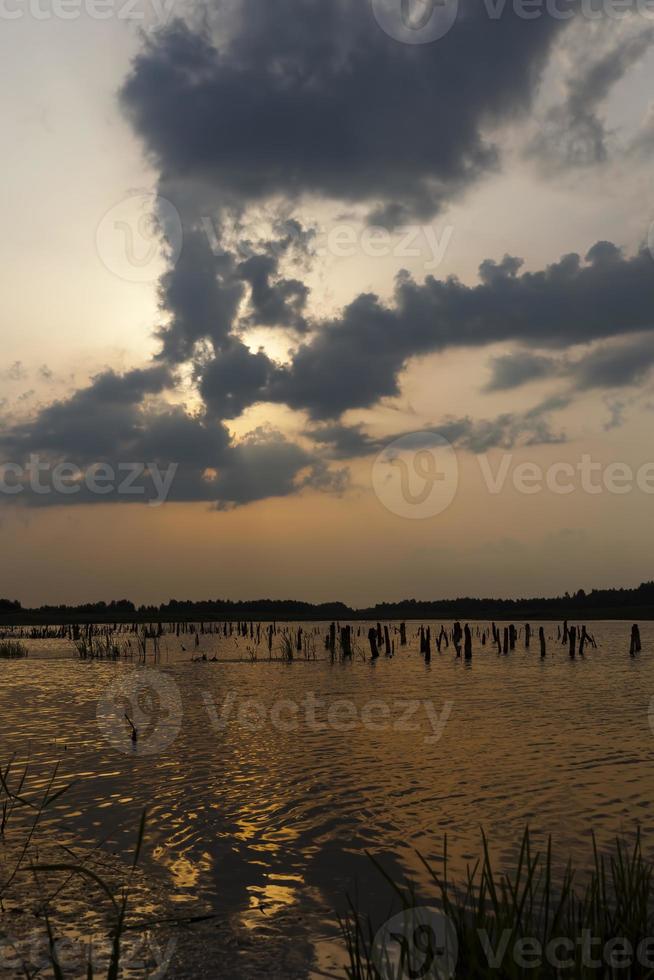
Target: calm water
[(263, 803)]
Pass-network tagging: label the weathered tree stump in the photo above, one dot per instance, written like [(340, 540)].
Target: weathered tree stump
[(635, 646), (372, 639)]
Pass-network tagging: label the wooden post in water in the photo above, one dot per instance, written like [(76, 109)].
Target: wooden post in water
[(527, 636), (635, 646), (403, 634), (543, 648), (372, 639), (467, 642), (572, 633), (387, 641), (512, 637), (428, 645), (583, 639), (506, 640)]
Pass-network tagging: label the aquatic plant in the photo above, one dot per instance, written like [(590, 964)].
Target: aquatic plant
[(15, 795), (12, 650), (118, 905), (287, 646), (604, 928)]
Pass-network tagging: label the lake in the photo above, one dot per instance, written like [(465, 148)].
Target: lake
[(267, 782)]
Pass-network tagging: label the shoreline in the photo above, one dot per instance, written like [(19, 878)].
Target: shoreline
[(628, 614)]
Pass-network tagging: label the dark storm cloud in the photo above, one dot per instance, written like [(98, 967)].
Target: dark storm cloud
[(312, 97), (266, 464), (234, 380), (94, 419), (273, 303), (356, 360), (201, 294), (119, 420), (204, 293)]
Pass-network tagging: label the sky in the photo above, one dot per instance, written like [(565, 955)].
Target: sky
[(326, 299)]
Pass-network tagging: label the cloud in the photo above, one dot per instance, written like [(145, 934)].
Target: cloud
[(311, 97), (297, 99), (234, 380), (267, 464), (616, 418), (353, 361), (95, 419), (616, 366), (621, 364), (120, 420), (201, 295), (277, 303), (356, 360), (513, 370), (16, 372), (301, 98), (573, 133), (345, 442)]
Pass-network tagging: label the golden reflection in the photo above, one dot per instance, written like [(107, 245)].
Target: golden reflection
[(185, 873), (271, 899)]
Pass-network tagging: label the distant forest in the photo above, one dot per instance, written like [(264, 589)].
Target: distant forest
[(599, 604)]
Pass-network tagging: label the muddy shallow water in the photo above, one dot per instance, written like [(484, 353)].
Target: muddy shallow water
[(266, 782)]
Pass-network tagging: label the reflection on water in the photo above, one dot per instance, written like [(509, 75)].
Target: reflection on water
[(263, 809)]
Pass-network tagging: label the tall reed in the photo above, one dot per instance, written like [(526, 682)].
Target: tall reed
[(496, 914), (12, 650)]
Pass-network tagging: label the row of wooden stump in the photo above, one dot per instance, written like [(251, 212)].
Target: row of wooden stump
[(575, 638)]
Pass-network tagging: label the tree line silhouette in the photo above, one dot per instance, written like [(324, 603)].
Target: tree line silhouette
[(637, 603)]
